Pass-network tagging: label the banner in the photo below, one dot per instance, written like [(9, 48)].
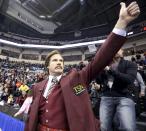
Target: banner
[(8, 123)]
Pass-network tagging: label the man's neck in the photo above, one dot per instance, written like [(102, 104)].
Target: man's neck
[(57, 75)]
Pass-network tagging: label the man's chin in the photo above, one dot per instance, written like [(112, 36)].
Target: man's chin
[(59, 72)]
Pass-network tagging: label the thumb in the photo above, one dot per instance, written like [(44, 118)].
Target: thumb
[(123, 5)]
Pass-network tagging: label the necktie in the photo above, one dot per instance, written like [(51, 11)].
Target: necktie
[(54, 81)]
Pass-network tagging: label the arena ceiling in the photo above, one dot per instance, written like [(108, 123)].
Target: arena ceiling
[(43, 17)]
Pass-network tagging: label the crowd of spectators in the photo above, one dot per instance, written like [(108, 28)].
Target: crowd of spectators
[(17, 78)]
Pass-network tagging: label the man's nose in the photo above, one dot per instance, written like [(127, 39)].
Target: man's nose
[(58, 63)]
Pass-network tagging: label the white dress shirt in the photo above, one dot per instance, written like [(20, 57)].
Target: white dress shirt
[(49, 84)]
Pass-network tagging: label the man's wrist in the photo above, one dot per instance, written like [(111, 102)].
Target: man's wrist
[(121, 24)]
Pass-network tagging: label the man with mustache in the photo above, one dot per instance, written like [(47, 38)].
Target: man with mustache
[(65, 105)]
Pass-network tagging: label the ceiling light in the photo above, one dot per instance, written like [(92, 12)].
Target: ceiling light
[(42, 16), (130, 33), (50, 46), (49, 16)]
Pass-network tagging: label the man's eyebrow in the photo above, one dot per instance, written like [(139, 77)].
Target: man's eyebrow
[(58, 59), (54, 59)]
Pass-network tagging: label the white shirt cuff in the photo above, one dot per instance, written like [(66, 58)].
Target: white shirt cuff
[(120, 32)]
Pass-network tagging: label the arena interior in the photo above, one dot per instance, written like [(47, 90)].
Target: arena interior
[(30, 29)]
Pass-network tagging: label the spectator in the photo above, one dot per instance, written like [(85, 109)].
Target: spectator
[(19, 100), (24, 87), (117, 97), (10, 100), (25, 107)]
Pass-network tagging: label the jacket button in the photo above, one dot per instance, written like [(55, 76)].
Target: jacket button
[(46, 121)]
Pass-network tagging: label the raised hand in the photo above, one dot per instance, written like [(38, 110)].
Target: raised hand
[(127, 14), (130, 12)]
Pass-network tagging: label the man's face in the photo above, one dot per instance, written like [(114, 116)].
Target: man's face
[(118, 56), (56, 65)]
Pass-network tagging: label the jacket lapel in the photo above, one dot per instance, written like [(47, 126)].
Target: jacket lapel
[(43, 86), (35, 105)]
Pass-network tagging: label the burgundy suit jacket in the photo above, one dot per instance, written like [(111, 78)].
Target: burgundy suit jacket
[(78, 107)]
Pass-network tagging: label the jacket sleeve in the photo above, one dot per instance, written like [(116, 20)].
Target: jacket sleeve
[(102, 58)]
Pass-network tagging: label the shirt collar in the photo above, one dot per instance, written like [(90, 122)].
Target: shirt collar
[(58, 77)]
